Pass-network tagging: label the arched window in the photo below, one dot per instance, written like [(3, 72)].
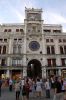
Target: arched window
[(0, 49), (4, 50), (61, 50), (52, 50), (48, 49)]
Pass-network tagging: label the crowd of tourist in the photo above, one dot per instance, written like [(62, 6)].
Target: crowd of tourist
[(38, 87)]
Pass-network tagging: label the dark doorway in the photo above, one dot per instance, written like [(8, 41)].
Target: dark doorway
[(34, 69)]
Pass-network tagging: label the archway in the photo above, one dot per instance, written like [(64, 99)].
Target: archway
[(34, 69)]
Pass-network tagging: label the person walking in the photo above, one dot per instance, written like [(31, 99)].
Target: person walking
[(10, 84), (39, 88), (17, 89), (47, 87), (58, 90)]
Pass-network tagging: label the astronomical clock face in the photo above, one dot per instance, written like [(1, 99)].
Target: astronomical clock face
[(35, 16), (34, 45)]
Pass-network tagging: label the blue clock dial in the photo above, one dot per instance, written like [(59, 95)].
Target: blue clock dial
[(34, 45)]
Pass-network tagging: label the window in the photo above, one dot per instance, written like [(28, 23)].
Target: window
[(5, 40), (53, 62), (64, 40), (17, 62), (4, 50), (19, 49), (9, 30), (63, 62), (47, 30), (17, 30), (61, 50), (48, 49), (60, 40), (47, 40), (0, 49), (21, 30), (1, 40), (65, 49), (49, 62), (57, 31), (5, 30), (14, 49), (19, 40), (3, 62), (51, 40), (52, 50)]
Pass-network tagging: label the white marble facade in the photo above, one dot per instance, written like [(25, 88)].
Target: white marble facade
[(28, 41)]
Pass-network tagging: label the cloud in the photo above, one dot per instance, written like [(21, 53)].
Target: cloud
[(52, 18)]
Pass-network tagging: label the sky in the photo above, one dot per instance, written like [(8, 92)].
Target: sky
[(13, 11)]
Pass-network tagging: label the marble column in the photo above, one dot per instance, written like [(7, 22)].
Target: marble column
[(59, 72), (43, 72), (24, 71), (7, 73)]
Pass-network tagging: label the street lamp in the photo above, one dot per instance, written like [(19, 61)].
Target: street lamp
[(32, 65)]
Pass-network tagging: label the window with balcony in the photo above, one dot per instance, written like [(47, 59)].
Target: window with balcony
[(48, 49), (49, 62), (1, 40), (53, 62), (17, 62)]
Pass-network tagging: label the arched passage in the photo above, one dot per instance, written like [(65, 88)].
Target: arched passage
[(34, 69)]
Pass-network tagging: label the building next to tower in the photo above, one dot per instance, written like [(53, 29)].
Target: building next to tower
[(32, 48)]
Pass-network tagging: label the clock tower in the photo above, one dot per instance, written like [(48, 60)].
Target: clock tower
[(33, 35)]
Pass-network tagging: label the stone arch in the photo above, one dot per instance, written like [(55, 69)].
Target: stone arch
[(34, 68)]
